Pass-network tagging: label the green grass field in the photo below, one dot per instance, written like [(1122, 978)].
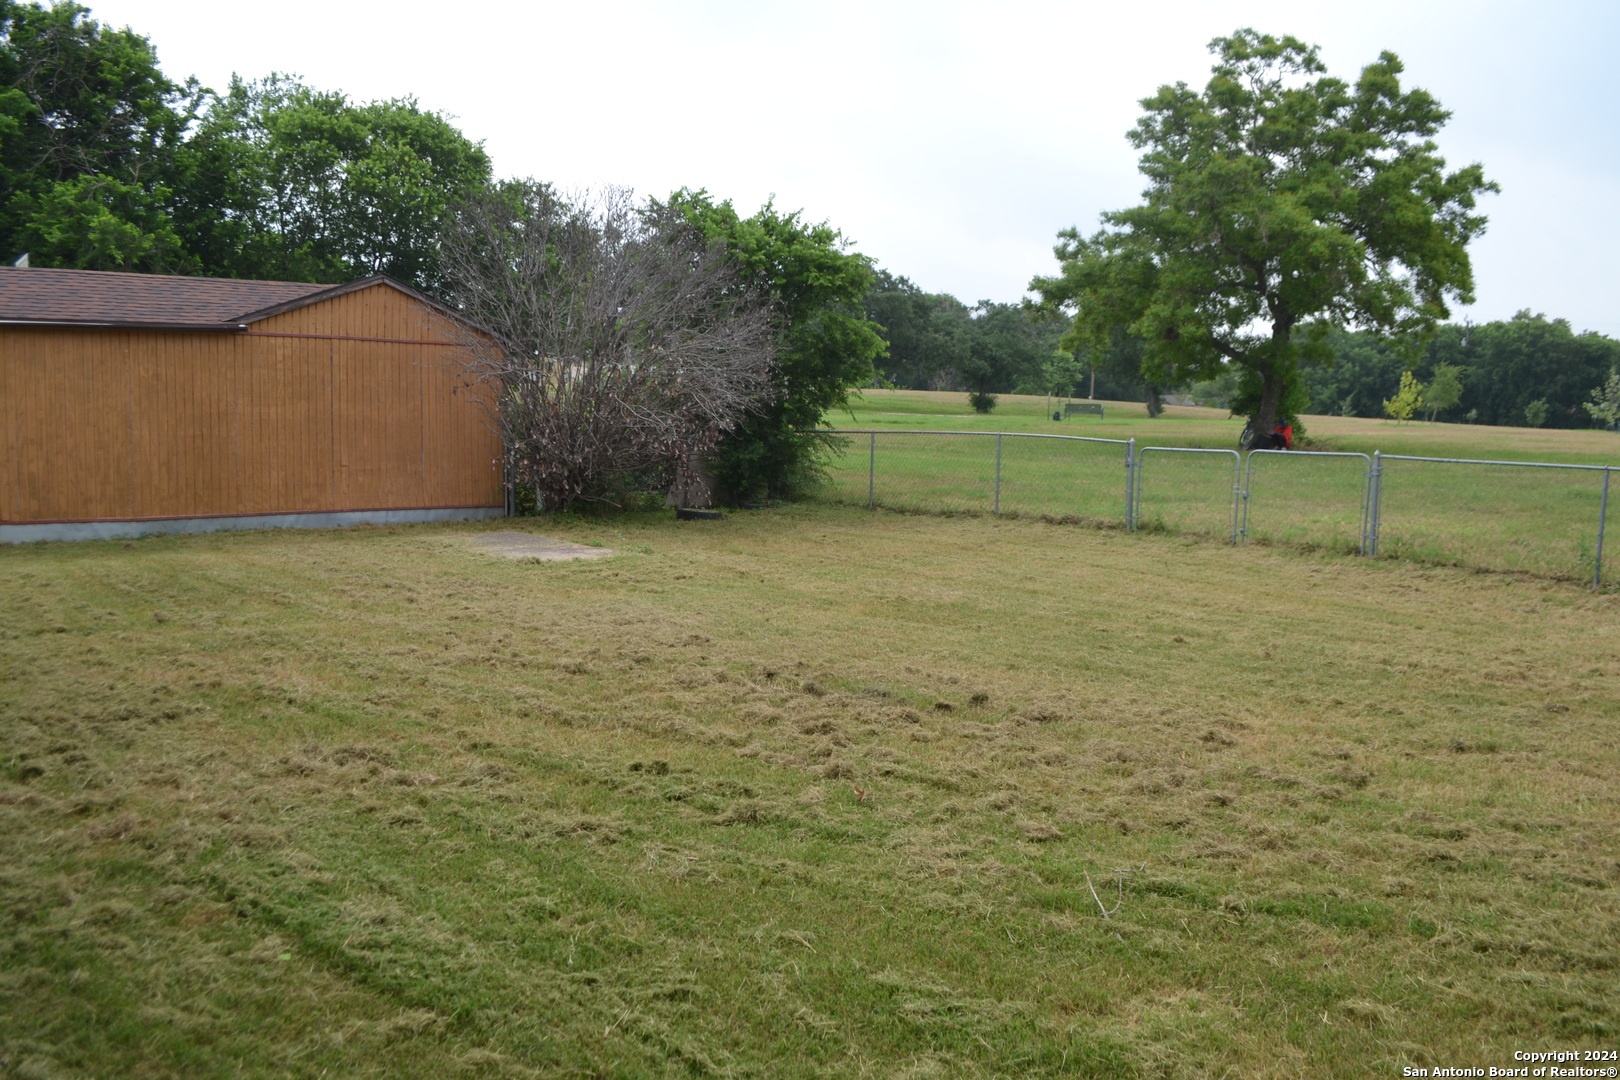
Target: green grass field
[(1197, 426), (808, 792), (1493, 517)]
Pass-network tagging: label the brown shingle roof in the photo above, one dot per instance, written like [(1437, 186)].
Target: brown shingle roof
[(96, 297)]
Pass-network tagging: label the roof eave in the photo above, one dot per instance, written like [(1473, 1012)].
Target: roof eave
[(126, 324)]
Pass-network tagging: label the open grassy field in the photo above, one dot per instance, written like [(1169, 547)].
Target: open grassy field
[(1197, 426), (1493, 517), (811, 792)]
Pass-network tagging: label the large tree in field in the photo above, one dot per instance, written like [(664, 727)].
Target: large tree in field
[(1280, 202)]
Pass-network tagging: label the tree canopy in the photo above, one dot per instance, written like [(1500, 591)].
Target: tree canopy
[(282, 180), (1504, 366), (929, 334), (936, 342), (89, 127), (826, 344), (107, 164), (1281, 202), (1008, 348)]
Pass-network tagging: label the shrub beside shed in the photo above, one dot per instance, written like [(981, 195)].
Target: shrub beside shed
[(137, 403)]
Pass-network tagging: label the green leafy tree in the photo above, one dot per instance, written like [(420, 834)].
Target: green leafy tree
[(826, 342), (1062, 373), (1407, 400), (937, 342), (105, 163), (89, 133), (1507, 364), (1009, 344), (1364, 371), (1217, 392), (1445, 389), (1605, 404), (284, 181), (1513, 362), (1115, 367), (96, 222), (928, 334), (1280, 202), (1535, 413)]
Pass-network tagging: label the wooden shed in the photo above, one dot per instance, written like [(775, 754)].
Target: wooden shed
[(139, 403)]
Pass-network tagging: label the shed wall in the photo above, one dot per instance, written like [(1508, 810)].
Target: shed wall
[(293, 416)]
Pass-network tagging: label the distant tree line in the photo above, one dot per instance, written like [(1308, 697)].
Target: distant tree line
[(1525, 371), (937, 342)]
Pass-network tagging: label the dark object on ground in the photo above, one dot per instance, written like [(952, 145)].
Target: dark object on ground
[(1057, 416), (687, 513), (1281, 438)]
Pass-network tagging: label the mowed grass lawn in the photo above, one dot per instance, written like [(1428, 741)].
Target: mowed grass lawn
[(806, 792)]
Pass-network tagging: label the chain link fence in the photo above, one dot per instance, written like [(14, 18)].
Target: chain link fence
[(1498, 515), (1061, 476), (1308, 499)]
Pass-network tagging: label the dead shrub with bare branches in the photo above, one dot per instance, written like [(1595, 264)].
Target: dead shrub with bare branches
[(616, 340)]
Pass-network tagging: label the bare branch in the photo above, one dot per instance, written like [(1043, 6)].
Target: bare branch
[(618, 342)]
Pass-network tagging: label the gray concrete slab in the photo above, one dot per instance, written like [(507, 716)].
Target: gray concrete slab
[(521, 545), (128, 530)]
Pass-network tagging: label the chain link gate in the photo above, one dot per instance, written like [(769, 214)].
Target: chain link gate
[(1218, 516), (1321, 485)]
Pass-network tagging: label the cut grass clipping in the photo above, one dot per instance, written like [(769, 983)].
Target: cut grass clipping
[(808, 792)]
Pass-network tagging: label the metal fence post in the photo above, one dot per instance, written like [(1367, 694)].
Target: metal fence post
[(1130, 485), (1242, 479), (996, 510), (1366, 509), (871, 472), (1603, 519), (1248, 486), (1375, 493)]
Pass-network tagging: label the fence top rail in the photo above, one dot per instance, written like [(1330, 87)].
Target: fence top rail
[(1518, 464), (1316, 453), (1219, 450), (1189, 450), (1007, 434)]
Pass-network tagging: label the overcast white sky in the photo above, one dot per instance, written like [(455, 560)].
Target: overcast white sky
[(950, 141)]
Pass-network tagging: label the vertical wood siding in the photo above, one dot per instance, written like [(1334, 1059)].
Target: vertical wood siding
[(290, 418)]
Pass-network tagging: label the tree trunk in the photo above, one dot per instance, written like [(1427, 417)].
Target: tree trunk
[(1265, 417), (1093, 395), (1271, 383), (1155, 404)]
